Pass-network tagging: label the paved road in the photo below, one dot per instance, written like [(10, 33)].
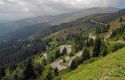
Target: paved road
[(56, 64), (93, 21), (119, 41), (72, 58)]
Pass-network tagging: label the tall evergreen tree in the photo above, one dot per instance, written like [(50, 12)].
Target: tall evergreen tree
[(86, 54), (97, 45), (121, 19), (29, 71), (75, 63), (103, 49)]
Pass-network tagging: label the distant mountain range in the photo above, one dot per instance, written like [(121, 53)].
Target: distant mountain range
[(13, 31), (52, 20), (82, 13), (68, 17)]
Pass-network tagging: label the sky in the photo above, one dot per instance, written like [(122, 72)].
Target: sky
[(27, 8)]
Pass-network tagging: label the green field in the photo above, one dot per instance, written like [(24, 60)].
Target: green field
[(111, 67)]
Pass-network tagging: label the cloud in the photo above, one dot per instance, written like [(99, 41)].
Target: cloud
[(47, 7), (2, 3)]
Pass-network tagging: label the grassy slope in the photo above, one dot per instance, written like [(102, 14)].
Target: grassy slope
[(111, 67)]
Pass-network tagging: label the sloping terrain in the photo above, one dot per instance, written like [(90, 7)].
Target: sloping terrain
[(107, 17), (111, 67), (113, 26), (18, 37), (43, 29)]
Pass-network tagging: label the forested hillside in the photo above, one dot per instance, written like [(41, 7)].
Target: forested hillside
[(9, 50), (86, 48)]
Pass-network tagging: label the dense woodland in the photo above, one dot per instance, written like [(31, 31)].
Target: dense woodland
[(15, 49)]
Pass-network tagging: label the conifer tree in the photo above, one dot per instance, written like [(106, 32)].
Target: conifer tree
[(29, 71), (86, 54), (97, 45)]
